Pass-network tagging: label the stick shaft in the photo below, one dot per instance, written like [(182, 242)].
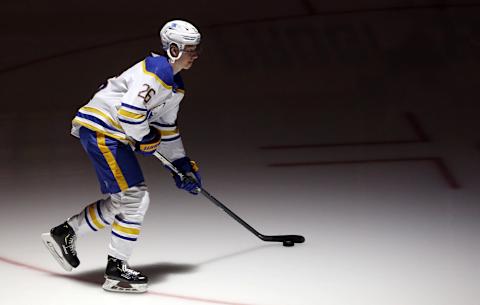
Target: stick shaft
[(230, 212), (207, 195), (211, 198)]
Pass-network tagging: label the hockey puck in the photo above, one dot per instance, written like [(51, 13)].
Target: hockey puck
[(288, 243)]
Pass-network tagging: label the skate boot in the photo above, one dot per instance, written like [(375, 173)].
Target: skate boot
[(120, 278), (61, 244)]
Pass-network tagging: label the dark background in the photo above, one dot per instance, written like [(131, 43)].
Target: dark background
[(373, 105), (298, 65)]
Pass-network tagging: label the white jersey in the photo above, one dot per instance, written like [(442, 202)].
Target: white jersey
[(146, 95)]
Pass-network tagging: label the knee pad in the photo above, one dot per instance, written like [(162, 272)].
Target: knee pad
[(132, 203)]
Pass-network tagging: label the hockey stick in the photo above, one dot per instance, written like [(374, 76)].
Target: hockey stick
[(287, 240)]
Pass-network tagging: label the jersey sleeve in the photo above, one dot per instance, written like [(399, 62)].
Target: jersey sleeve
[(171, 145)]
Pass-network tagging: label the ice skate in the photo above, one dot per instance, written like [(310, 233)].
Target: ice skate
[(61, 244), (120, 278)]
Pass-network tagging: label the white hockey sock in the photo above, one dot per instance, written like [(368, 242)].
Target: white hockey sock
[(132, 204), (94, 217)]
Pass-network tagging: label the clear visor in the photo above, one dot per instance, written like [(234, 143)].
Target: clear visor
[(193, 49)]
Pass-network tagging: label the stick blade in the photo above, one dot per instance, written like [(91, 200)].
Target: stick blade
[(298, 239)]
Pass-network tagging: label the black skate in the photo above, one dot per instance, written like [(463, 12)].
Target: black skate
[(120, 278), (61, 244)]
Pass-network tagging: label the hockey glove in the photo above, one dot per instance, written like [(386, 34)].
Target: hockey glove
[(192, 180), (148, 145)]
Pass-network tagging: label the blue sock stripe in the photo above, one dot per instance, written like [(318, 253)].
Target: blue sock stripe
[(100, 213), (127, 222), (123, 237), (88, 221)]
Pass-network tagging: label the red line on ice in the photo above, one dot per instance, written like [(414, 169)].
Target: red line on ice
[(155, 293), (437, 161), (420, 137)]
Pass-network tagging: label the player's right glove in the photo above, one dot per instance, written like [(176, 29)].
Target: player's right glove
[(148, 145), (192, 180)]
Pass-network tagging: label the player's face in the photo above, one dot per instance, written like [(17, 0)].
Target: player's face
[(190, 54)]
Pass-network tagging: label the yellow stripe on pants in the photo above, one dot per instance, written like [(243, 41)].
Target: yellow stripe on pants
[(112, 163)]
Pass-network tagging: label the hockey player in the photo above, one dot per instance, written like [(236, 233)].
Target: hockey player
[(133, 112)]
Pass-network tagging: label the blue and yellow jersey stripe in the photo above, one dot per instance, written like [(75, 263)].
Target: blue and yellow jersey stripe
[(102, 123), (101, 116), (87, 123), (168, 132), (99, 121), (130, 114)]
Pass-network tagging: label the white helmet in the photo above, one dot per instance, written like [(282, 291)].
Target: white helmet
[(180, 33)]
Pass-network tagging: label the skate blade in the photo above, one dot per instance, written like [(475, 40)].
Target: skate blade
[(118, 286), (55, 250)]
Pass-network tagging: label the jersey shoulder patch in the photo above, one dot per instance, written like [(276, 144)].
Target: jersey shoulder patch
[(160, 68)]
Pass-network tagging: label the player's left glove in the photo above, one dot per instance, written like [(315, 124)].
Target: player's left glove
[(192, 180), (148, 145)]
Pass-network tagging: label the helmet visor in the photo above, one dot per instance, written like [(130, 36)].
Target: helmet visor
[(193, 49)]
